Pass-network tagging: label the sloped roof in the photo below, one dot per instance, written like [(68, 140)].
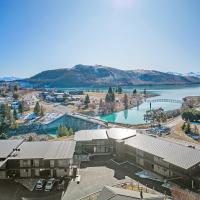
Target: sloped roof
[(120, 133), (7, 146), (114, 193), (88, 135), (171, 152), (45, 150)]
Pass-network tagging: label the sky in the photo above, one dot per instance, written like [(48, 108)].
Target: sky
[(38, 35)]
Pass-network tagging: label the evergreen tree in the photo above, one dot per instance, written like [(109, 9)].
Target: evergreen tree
[(71, 132), (134, 91), (21, 107), (110, 91), (15, 114), (15, 88), (145, 91), (110, 96), (62, 131), (37, 108), (119, 90), (87, 100), (188, 128), (41, 111)]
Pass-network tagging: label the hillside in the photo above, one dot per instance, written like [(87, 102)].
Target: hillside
[(85, 75)]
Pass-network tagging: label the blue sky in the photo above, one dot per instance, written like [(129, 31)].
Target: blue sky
[(37, 35)]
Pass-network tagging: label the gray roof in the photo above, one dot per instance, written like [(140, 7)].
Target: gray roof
[(114, 193), (120, 133), (89, 135), (171, 152), (45, 150), (7, 146)]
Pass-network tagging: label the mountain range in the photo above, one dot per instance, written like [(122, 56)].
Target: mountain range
[(9, 78), (88, 75)]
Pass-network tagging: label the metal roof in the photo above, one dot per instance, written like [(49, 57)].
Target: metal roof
[(171, 152), (45, 150), (7, 146), (114, 193), (120, 133), (89, 135)]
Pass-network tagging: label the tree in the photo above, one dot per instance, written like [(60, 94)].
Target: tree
[(119, 89), (134, 91), (110, 91), (183, 126), (30, 138), (41, 111), (110, 96), (125, 101), (15, 95), (5, 118), (37, 108), (145, 92), (15, 114), (87, 100), (71, 132), (21, 107), (64, 131), (15, 88), (188, 128), (156, 115), (190, 114)]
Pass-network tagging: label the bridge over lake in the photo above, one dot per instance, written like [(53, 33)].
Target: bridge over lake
[(164, 100)]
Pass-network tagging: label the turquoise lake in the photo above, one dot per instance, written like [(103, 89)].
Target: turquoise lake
[(134, 116)]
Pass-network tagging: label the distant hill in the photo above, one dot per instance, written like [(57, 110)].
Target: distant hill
[(9, 78), (86, 75)]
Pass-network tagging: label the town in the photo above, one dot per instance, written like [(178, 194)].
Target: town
[(99, 100), (50, 139)]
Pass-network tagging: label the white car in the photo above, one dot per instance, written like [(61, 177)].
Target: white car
[(40, 184), (50, 184)]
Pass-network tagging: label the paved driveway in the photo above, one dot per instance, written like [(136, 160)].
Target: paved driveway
[(94, 179)]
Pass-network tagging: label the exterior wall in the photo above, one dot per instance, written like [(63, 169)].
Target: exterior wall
[(25, 163), (92, 147), (25, 173), (36, 168), (2, 174), (120, 150), (62, 172), (147, 161)]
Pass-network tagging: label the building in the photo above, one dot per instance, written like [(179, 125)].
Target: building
[(93, 142), (166, 158), (171, 160), (37, 159), (100, 141), (115, 193), (6, 149)]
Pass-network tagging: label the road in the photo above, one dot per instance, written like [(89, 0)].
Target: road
[(172, 123)]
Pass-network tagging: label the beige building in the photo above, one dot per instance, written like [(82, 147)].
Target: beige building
[(39, 159)]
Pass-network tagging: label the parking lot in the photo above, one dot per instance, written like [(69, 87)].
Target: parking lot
[(95, 177), (10, 190)]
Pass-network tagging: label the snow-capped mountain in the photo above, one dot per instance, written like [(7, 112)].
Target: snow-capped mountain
[(9, 78), (194, 74)]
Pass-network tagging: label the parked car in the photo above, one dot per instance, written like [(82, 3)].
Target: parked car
[(40, 184), (50, 184)]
